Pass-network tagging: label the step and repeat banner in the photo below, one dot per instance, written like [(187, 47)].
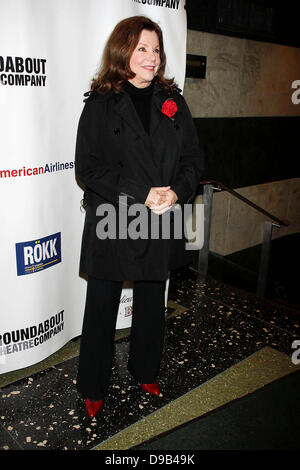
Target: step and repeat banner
[(49, 52)]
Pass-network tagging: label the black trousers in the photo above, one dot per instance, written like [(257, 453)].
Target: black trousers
[(98, 334)]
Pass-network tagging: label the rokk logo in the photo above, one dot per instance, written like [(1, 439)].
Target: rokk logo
[(36, 255)]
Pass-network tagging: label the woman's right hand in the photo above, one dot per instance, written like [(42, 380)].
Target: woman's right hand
[(156, 196)]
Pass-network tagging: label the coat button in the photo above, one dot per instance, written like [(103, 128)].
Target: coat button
[(120, 164), (176, 126), (117, 131)]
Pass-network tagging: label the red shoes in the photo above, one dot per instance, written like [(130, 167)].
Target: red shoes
[(92, 407), (151, 388)]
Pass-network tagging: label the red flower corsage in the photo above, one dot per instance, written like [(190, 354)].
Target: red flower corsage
[(169, 108)]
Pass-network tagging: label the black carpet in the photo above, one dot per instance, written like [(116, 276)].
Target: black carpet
[(268, 419)]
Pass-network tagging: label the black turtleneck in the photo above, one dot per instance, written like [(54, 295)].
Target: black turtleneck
[(141, 98)]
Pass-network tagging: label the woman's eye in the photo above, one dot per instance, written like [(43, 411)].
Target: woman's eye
[(143, 49)]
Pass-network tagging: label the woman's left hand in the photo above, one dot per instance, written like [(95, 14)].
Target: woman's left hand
[(170, 199)]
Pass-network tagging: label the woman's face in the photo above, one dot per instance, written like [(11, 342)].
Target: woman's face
[(145, 59)]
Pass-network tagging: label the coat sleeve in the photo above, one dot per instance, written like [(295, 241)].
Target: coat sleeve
[(191, 162), (102, 177)]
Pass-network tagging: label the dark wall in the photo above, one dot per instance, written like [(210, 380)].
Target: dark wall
[(250, 150), (265, 20)]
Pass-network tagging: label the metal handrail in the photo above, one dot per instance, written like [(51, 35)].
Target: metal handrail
[(267, 238), (247, 201)]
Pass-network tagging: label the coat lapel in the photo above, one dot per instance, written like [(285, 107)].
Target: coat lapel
[(157, 116), (125, 108)]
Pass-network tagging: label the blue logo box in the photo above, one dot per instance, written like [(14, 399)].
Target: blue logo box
[(37, 255)]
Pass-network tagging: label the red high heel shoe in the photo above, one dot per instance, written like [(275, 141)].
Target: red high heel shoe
[(151, 388), (92, 407)]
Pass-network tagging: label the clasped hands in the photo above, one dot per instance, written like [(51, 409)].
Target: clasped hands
[(160, 199)]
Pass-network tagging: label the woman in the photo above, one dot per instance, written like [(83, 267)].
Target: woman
[(136, 147)]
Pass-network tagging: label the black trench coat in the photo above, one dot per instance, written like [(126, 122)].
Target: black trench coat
[(116, 157)]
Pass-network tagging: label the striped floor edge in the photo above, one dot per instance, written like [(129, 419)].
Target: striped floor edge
[(261, 368)]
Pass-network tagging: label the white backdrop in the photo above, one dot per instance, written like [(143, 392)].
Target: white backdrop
[(49, 52)]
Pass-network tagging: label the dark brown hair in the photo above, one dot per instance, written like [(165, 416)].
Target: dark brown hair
[(115, 70)]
